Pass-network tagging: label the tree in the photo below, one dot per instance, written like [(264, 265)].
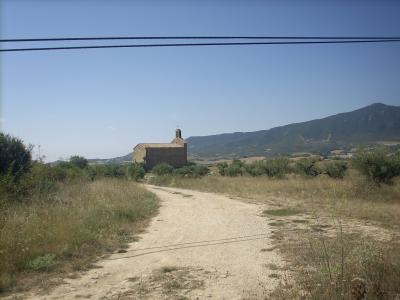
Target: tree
[(377, 165), (135, 171), (78, 161), (15, 157), (308, 166)]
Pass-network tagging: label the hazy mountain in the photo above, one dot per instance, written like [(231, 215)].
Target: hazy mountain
[(369, 125)]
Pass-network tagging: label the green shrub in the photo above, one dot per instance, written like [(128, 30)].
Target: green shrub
[(9, 188), (192, 170), (135, 171), (78, 161), (308, 166), (201, 170), (19, 176), (222, 167), (255, 169), (111, 171), (336, 169), (42, 263), (15, 157), (42, 179), (377, 165), (236, 168), (101, 171), (162, 169), (276, 167)]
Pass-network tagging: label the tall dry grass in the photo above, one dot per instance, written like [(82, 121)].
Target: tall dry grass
[(352, 196), (345, 267), (70, 227)]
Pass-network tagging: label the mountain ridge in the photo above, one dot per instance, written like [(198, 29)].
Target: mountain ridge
[(372, 123), (368, 125)]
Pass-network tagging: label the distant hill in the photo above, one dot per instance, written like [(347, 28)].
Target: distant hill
[(116, 160), (373, 124), (366, 126)]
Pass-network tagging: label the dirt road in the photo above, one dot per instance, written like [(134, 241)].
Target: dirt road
[(200, 246)]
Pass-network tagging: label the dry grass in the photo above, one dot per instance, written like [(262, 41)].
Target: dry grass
[(67, 230), (352, 197), (325, 267)]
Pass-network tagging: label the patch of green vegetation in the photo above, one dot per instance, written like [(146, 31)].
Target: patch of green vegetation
[(377, 165), (273, 167), (336, 169), (282, 212), (42, 263), (308, 167), (234, 169), (162, 169)]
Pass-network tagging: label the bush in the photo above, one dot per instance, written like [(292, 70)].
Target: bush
[(135, 171), (15, 162), (15, 157), (42, 263), (255, 169), (377, 165), (235, 168), (162, 169), (308, 167), (192, 170), (78, 161), (222, 167), (277, 167), (108, 171), (336, 169), (201, 170), (42, 179)]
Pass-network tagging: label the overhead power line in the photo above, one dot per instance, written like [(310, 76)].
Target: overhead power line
[(200, 38), (198, 44)]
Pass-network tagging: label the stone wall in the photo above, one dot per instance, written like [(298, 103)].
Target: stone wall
[(139, 153), (174, 156)]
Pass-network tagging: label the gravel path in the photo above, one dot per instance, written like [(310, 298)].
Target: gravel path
[(200, 246)]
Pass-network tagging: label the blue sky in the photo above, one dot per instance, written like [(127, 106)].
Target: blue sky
[(100, 103)]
